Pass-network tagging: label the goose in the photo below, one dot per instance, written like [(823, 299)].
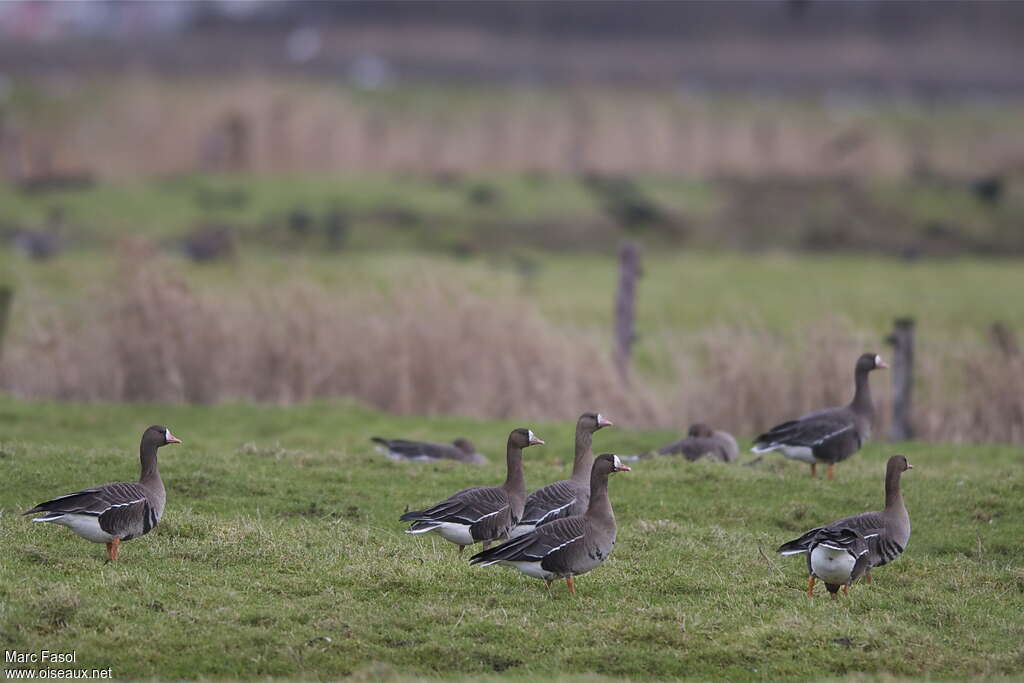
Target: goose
[(569, 496), (567, 547), (842, 551), (483, 513), (118, 511), (399, 449), (701, 441), (831, 435)]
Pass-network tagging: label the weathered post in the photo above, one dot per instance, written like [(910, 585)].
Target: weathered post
[(6, 296), (902, 342), (625, 307), (1004, 339)]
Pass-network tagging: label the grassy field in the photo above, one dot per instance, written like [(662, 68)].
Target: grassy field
[(280, 554)]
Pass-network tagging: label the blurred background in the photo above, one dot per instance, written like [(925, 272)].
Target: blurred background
[(667, 211)]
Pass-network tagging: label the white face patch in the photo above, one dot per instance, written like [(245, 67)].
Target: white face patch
[(530, 433), (617, 462), (167, 434), (878, 360)]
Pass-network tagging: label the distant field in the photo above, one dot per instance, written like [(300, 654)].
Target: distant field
[(280, 555)]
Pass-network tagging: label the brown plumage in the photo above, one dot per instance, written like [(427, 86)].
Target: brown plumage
[(461, 450), (118, 511), (702, 441), (482, 513), (566, 547), (831, 435), (883, 533), (570, 496)]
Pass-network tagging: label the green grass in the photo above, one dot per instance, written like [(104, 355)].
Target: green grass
[(280, 554)]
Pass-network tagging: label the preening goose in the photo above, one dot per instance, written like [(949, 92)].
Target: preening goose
[(570, 496), (857, 544), (118, 511), (831, 435), (483, 513), (570, 546), (400, 449), (703, 442)]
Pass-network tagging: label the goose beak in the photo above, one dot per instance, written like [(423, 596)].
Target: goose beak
[(535, 440), (909, 466), (879, 363), (623, 468), (603, 421), (170, 438)]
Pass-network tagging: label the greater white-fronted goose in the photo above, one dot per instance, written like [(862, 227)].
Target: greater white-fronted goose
[(119, 511), (856, 544), (570, 546), (570, 496), (483, 513), (703, 442), (400, 449), (831, 435)]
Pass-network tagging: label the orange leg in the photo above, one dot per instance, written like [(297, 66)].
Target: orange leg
[(846, 589), (831, 470), (112, 547), (835, 596), (810, 586), (461, 548), (572, 586), (867, 576), (814, 470)]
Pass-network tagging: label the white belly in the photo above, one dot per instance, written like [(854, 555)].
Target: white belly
[(532, 569), (86, 526), (832, 566), (802, 453), (456, 533)]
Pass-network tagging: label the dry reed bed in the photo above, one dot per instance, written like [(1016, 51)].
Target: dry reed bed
[(433, 348), (269, 125)]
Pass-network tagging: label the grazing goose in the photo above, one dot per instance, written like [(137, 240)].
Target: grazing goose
[(701, 441), (852, 546), (831, 435), (400, 449), (570, 496), (115, 512), (570, 546), (483, 513)]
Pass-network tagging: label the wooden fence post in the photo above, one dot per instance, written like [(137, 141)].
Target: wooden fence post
[(902, 342), (6, 297), (625, 307)]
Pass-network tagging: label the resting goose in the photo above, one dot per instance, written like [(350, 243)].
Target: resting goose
[(831, 435), (839, 553), (570, 546), (570, 496), (701, 441), (119, 511), (400, 449), (483, 513)]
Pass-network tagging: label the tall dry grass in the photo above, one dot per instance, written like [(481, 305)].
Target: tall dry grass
[(434, 348), (272, 125)]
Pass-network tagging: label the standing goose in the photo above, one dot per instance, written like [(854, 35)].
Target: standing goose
[(119, 511), (570, 496), (400, 449), (483, 513), (852, 546), (831, 435), (570, 546), (701, 441)]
